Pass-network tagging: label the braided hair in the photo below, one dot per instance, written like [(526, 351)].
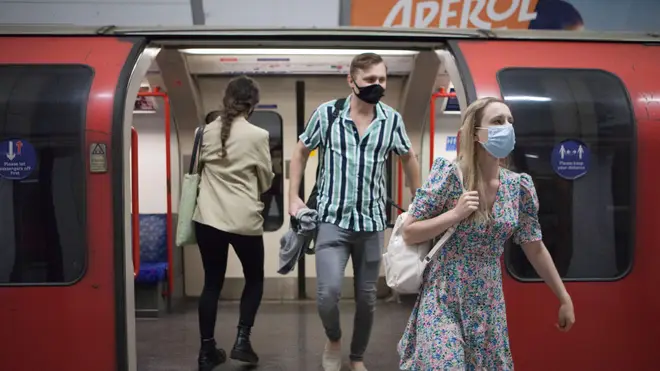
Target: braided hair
[(241, 97)]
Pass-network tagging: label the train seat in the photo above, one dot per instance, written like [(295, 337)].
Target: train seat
[(153, 249)]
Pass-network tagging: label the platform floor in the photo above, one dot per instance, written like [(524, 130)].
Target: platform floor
[(288, 336)]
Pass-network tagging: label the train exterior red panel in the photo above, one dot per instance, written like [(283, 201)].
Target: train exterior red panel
[(71, 327), (617, 319)]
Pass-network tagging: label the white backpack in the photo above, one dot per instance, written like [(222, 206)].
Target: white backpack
[(405, 264)]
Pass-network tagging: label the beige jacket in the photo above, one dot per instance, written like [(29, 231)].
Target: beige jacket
[(230, 188)]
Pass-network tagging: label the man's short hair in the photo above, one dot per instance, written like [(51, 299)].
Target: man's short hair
[(365, 61)]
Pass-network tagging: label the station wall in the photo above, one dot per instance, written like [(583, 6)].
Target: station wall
[(144, 13), (623, 15), (98, 12)]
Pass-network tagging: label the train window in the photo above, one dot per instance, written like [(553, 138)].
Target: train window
[(273, 199), (587, 223), (42, 173)]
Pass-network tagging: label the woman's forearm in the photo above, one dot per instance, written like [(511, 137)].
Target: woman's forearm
[(540, 258), (419, 231)]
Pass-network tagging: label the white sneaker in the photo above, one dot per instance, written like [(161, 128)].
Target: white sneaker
[(359, 367), (331, 360)]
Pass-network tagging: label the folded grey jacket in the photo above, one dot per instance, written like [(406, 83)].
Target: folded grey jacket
[(291, 244)]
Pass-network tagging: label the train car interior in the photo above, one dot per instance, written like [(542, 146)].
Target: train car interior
[(135, 98), (293, 83)]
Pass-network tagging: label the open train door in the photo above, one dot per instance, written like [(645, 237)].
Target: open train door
[(63, 298), (584, 134)]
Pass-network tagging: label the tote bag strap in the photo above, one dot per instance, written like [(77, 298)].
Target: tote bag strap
[(196, 151), (445, 237)]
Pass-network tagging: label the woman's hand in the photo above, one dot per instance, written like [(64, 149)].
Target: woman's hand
[(538, 255), (467, 204), (566, 317)]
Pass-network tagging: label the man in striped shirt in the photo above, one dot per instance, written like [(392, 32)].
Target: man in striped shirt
[(351, 197)]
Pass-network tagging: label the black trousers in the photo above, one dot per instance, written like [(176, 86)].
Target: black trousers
[(214, 248)]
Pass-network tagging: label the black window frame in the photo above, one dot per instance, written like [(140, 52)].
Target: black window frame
[(632, 239), (86, 88), (280, 196)]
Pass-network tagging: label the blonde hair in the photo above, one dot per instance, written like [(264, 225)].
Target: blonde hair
[(467, 154)]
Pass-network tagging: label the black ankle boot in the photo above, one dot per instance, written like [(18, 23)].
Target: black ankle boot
[(210, 357), (242, 350)]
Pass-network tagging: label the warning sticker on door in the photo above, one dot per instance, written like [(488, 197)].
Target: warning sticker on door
[(98, 159)]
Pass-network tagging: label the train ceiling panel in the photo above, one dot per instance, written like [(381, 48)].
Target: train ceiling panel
[(288, 61)]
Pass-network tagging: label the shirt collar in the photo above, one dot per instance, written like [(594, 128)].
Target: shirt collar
[(379, 109)]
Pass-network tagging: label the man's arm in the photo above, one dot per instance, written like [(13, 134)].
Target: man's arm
[(309, 140), (403, 148), (296, 170), (411, 168)]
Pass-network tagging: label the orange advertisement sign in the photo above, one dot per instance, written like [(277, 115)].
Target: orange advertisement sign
[(485, 14)]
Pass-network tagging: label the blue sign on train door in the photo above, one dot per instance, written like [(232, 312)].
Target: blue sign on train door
[(570, 159), (18, 159)]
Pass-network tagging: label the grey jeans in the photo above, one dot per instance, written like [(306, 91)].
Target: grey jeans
[(334, 246)]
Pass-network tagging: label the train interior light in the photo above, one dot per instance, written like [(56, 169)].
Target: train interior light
[(272, 51)]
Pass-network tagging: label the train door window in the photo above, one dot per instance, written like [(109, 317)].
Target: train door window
[(42, 173), (587, 222), (273, 198)]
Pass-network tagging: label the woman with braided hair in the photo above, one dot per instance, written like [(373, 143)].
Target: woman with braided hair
[(236, 170)]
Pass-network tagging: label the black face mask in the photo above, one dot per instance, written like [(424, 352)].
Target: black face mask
[(371, 93)]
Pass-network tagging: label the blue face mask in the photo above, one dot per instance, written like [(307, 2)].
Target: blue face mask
[(501, 140)]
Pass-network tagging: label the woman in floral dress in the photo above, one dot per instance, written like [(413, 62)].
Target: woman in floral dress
[(459, 320)]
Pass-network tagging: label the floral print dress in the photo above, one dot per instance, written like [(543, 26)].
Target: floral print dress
[(459, 319)]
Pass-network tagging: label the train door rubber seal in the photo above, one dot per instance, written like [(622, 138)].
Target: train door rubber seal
[(117, 138), (463, 70)]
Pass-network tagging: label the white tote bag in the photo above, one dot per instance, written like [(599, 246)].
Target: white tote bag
[(404, 264), (185, 231)]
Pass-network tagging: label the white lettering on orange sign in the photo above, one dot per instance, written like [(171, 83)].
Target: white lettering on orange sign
[(461, 14)]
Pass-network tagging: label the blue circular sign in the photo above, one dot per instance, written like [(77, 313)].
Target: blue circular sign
[(18, 159), (570, 159)]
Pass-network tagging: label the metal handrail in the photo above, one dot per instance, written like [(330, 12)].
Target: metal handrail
[(135, 202), (440, 94)]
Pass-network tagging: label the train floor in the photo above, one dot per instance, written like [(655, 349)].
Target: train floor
[(287, 336)]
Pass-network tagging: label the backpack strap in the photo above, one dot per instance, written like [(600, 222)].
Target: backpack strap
[(338, 107)]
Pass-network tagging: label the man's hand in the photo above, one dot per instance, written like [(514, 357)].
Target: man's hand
[(295, 205)]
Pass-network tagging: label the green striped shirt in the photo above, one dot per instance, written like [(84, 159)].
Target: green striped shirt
[(351, 186)]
